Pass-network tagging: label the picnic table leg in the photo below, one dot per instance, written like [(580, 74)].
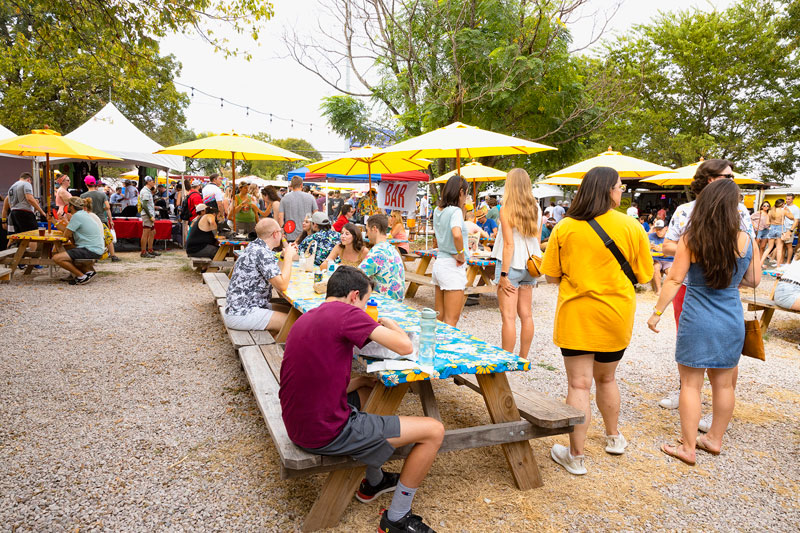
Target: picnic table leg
[(472, 273), (766, 318), (422, 268), (23, 247), (36, 255), (429, 406), (340, 485), (294, 314), (221, 254), (502, 408)]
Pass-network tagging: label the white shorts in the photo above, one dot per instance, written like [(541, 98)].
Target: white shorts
[(447, 275), (257, 319)]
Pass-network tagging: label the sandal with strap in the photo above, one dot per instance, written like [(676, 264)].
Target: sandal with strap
[(672, 451)]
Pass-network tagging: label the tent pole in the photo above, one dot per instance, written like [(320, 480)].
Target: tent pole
[(233, 173)]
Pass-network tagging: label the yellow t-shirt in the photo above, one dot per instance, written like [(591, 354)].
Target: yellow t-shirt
[(596, 301)]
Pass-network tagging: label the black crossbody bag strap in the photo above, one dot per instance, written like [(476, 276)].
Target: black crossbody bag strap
[(612, 246)]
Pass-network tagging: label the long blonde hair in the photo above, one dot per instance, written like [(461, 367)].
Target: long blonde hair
[(520, 204)]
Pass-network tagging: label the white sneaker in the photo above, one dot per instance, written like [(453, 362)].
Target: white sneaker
[(571, 463), (670, 401), (616, 444), (705, 423)]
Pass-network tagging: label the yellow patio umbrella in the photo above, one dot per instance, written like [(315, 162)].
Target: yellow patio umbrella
[(364, 160), (685, 175), (462, 140), (47, 143), (233, 146), (474, 172), (626, 166), (568, 182)]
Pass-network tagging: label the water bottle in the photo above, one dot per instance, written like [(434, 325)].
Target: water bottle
[(427, 337), (372, 309)]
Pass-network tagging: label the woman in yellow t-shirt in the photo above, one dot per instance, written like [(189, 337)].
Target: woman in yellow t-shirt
[(596, 303)]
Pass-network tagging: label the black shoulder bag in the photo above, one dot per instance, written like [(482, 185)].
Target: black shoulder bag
[(612, 246)]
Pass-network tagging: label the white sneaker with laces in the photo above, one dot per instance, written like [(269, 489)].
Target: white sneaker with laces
[(705, 423), (571, 463), (616, 444), (670, 401)]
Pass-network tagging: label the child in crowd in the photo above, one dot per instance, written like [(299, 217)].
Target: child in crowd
[(320, 401)]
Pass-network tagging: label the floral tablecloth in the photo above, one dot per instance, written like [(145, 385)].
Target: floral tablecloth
[(470, 261), (457, 352)]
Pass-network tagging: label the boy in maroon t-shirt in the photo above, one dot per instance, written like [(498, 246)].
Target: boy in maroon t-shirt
[(320, 401)]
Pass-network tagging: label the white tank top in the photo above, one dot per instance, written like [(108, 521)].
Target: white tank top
[(523, 248)]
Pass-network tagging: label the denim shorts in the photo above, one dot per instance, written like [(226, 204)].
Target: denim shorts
[(763, 234), (517, 276), (775, 231), (786, 294)]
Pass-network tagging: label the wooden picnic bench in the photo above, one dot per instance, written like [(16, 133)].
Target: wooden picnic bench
[(767, 305), (217, 283), (481, 269), (5, 274), (204, 264)]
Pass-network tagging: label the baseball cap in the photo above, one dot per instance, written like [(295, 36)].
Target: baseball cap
[(659, 224), (195, 183), (320, 218), (89, 180), (200, 207), (76, 202), (148, 179)]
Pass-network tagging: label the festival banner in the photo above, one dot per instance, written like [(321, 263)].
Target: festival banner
[(399, 195)]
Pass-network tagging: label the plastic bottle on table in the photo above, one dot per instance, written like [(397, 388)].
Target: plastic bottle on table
[(427, 337), (372, 309)]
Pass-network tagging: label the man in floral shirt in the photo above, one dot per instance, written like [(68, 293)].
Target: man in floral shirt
[(383, 264), (368, 205), (324, 237), (255, 273)]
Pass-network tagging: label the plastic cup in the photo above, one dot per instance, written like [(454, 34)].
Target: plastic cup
[(41, 233)]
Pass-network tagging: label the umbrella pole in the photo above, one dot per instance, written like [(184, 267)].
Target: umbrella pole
[(233, 173), (47, 190)]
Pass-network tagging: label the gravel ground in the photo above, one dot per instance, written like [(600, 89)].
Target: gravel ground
[(123, 408)]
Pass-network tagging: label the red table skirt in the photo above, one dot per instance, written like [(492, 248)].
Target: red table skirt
[(131, 228)]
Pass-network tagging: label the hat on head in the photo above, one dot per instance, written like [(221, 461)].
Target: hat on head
[(89, 180), (481, 212), (320, 218), (200, 207), (659, 224), (469, 207), (148, 179), (76, 202), (196, 183), (56, 172)]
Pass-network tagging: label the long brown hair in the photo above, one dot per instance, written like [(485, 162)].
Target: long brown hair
[(594, 195), (451, 193), (520, 204), (358, 241), (712, 235), (707, 170)]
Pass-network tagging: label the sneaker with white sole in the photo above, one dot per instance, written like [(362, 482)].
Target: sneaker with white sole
[(705, 423), (571, 463), (616, 444), (671, 400)]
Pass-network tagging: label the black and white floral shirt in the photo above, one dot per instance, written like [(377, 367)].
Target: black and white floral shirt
[(250, 287)]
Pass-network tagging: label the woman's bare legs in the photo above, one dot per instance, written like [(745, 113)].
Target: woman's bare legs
[(607, 394), (580, 369), (723, 399), (689, 408), (524, 302), (507, 302)]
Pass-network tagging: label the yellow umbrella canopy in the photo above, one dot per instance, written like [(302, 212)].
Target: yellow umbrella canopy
[(685, 175), (365, 161), (233, 146), (626, 166), (565, 181), (49, 143), (474, 172)]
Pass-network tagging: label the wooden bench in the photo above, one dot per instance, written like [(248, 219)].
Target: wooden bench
[(217, 283), (5, 274), (423, 280), (541, 417), (8, 252), (201, 264), (767, 305)]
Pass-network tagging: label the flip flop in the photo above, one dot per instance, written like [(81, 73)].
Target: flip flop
[(700, 446), (665, 449)]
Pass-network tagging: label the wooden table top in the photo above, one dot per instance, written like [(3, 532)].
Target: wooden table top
[(33, 235)]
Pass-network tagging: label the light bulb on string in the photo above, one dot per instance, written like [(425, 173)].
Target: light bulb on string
[(248, 111), (292, 125), (192, 92), (270, 118), (220, 103)]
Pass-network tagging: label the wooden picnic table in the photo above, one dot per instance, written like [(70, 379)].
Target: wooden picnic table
[(482, 269), (41, 256), (226, 249), (471, 362)]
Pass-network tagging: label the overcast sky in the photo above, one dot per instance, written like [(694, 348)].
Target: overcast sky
[(276, 84)]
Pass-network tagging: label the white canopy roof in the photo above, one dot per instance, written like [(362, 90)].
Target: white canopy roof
[(6, 133), (111, 132)]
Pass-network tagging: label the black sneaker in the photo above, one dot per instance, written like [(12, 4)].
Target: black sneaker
[(90, 275), (80, 281), (410, 523), (146, 255), (115, 259), (367, 493), (153, 252)]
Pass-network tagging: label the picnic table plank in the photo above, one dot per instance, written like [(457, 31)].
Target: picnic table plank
[(340, 485), (217, 290), (273, 355), (500, 402)]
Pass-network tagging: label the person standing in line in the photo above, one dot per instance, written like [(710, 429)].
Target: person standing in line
[(450, 268), (596, 304), (558, 211), (707, 172), (715, 257), (777, 216), (62, 194), (272, 202), (294, 207), (661, 263), (116, 201), (244, 210), (791, 225), (517, 240), (19, 206), (102, 209), (148, 219), (213, 195), (760, 221), (633, 210)]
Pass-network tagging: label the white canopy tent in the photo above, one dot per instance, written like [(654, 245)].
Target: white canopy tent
[(111, 132), (11, 166)]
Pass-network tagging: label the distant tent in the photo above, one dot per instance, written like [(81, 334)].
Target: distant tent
[(6, 133), (111, 132)]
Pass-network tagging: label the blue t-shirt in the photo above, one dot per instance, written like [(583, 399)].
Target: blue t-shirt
[(488, 226), (546, 232), (646, 227), (87, 232), (658, 241)]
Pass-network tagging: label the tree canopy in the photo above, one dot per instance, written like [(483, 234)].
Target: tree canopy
[(270, 169)]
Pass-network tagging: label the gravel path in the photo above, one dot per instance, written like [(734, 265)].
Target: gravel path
[(124, 408)]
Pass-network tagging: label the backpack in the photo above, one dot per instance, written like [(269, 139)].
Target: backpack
[(186, 213)]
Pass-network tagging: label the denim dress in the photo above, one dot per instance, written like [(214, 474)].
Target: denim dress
[(711, 331)]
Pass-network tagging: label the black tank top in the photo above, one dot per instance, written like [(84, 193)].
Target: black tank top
[(198, 238)]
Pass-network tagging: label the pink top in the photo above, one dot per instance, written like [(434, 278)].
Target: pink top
[(401, 235), (62, 202)]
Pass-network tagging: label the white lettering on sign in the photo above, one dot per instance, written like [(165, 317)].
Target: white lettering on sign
[(397, 195)]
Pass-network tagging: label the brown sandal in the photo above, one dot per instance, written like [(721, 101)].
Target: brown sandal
[(666, 449), (700, 446)]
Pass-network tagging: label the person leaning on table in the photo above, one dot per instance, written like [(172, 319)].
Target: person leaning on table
[(596, 304), (450, 268)]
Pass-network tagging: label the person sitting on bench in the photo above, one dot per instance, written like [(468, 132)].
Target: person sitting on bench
[(87, 235), (787, 291), (254, 274), (320, 401)]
